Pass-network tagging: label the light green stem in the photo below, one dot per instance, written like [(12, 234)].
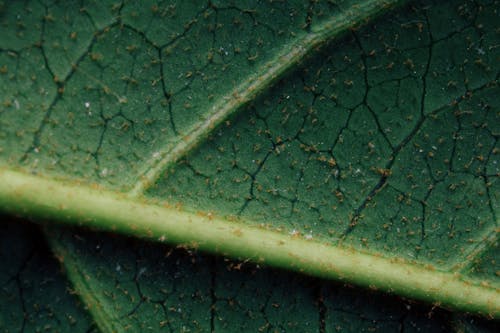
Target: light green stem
[(78, 204)]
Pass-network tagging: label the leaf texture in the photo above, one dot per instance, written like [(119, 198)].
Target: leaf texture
[(34, 296), (256, 122)]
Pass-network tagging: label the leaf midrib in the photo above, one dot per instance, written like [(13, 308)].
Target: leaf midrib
[(81, 205)]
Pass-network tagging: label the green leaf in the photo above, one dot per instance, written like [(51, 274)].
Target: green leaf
[(281, 133), (34, 297)]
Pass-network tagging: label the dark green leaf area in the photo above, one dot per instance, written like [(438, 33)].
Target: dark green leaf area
[(34, 295), (142, 287), (102, 88), (388, 141), (462, 323), (152, 287)]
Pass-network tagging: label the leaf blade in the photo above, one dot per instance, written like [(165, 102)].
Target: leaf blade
[(121, 20), (251, 87)]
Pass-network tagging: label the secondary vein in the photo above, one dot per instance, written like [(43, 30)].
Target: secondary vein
[(228, 105)]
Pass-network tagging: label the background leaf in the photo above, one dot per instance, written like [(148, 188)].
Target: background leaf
[(34, 295)]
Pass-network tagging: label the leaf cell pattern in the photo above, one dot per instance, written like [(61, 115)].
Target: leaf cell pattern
[(103, 89), (34, 296), (387, 141)]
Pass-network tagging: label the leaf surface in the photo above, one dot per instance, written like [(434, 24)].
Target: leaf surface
[(34, 295), (375, 145)]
